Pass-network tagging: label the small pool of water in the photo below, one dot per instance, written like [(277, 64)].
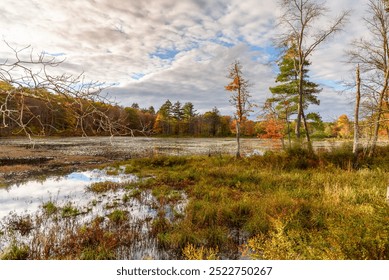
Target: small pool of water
[(26, 200), (29, 196)]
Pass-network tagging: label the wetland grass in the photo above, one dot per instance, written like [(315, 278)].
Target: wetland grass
[(280, 205), (283, 205)]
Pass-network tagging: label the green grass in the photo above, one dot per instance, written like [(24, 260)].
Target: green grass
[(16, 252), (118, 216), (69, 211)]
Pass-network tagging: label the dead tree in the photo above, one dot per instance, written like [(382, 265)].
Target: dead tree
[(356, 113), (29, 77), (372, 55), (240, 98)]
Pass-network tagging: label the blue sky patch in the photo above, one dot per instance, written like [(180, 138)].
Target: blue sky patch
[(165, 53), (54, 54), (137, 76)]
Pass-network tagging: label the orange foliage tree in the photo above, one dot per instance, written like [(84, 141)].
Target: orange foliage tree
[(240, 98), (342, 127), (273, 128)]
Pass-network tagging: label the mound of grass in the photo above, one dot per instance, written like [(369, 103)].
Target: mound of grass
[(16, 252), (50, 208), (101, 187)]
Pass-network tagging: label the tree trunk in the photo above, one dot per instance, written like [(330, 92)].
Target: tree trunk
[(289, 137), (310, 148), (356, 115), (300, 103), (379, 114), (238, 139)]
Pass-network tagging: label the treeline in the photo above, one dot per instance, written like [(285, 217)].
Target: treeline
[(38, 112), (183, 120)]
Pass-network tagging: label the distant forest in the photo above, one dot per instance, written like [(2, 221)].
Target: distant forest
[(39, 112)]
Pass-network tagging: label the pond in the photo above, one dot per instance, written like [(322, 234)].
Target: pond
[(78, 201), (150, 146)]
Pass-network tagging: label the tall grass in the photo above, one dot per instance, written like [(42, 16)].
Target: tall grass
[(283, 205)]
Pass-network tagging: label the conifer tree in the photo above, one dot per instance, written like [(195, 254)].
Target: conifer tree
[(285, 95)]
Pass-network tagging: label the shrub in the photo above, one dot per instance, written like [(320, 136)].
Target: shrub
[(191, 252)]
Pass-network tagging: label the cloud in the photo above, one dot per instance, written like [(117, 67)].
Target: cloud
[(165, 49)]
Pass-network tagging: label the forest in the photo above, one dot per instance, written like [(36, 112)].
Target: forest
[(50, 114)]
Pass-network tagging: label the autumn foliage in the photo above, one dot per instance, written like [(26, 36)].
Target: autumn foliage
[(272, 127)]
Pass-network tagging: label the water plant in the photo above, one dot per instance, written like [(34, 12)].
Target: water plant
[(118, 216), (50, 208), (101, 187), (69, 211)]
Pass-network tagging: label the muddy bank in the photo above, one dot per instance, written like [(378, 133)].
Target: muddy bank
[(20, 161)]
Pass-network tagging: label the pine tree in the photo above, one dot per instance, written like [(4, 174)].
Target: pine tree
[(164, 118), (285, 95)]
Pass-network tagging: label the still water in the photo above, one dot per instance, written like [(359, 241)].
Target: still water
[(29, 196), (27, 200)]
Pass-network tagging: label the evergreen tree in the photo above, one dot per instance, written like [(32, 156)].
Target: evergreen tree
[(163, 120), (212, 119), (177, 111), (285, 96), (189, 115)]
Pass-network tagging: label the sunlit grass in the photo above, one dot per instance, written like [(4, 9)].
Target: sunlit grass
[(303, 202)]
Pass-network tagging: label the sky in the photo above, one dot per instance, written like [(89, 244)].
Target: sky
[(151, 51)]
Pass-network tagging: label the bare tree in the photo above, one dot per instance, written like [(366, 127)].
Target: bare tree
[(372, 54), (28, 76), (300, 24), (356, 113), (386, 2), (240, 98)]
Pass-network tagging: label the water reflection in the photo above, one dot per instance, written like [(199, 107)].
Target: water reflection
[(27, 197)]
